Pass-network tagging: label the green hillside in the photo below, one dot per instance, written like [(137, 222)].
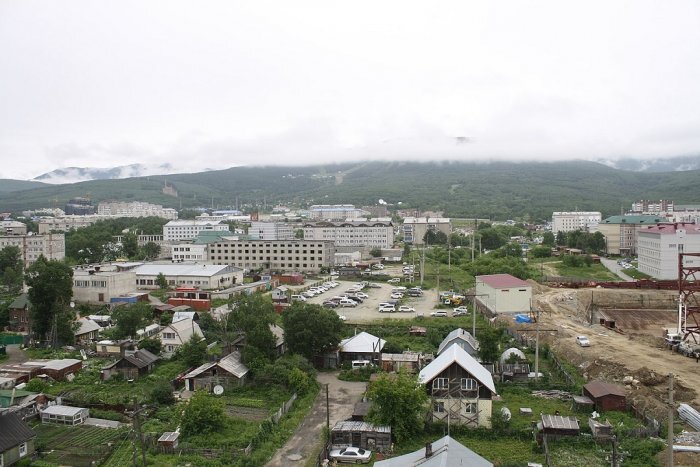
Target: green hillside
[(500, 190), (7, 185)]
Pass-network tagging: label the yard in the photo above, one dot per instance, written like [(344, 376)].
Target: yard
[(77, 446), (556, 267)]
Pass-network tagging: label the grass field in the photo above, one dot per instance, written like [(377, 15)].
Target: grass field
[(77, 446)]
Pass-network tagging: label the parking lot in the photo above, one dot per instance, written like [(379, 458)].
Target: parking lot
[(368, 309)]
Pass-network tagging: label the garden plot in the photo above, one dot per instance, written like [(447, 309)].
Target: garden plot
[(77, 446)]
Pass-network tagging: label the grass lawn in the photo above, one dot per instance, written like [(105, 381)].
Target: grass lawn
[(594, 271)]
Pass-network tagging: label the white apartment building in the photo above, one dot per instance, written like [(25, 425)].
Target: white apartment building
[(658, 247), (10, 227), (372, 233), (66, 223), (335, 212), (92, 285), (271, 230), (415, 228), (189, 229), (575, 220), (135, 209), (52, 246), (646, 206), (275, 255), (189, 252)]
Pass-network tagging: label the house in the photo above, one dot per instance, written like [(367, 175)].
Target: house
[(280, 344), (502, 293), (556, 426), (149, 331), (443, 452), (606, 396), (104, 321), (362, 435), (462, 338), (228, 372), (179, 315), (16, 440), (280, 295), (134, 364), (64, 415), (460, 387), (87, 332), (362, 346), (109, 348), (20, 319), (393, 362), (192, 297), (176, 334)]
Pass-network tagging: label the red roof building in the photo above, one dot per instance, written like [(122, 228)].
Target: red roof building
[(502, 293)]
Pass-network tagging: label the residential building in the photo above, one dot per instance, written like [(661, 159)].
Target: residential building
[(444, 452), (503, 293), (134, 364), (229, 372), (271, 230), (415, 228), (175, 334), (377, 211), (79, 207), (189, 229), (461, 389), (361, 434), (64, 415), (188, 252), (66, 223), (95, 285), (10, 227), (462, 338), (646, 206), (621, 232), (689, 213), (87, 331), (201, 275), (335, 212), (233, 216), (31, 246), (361, 346), (658, 247), (355, 234), (16, 440), (575, 220), (287, 255), (135, 209), (20, 319)]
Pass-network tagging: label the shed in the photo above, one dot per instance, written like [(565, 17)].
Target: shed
[(409, 361), (558, 425), (361, 434), (360, 411), (600, 430), (169, 440), (227, 372), (418, 331), (133, 364), (606, 396), (64, 415)]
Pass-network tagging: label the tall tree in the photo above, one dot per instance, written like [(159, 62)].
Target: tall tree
[(11, 268), (311, 330), (150, 251), (488, 343), (400, 402), (251, 316), (50, 290), (129, 318), (548, 239)]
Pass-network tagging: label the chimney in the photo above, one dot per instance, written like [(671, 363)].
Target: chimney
[(428, 450)]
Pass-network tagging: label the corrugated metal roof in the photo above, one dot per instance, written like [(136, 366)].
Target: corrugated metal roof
[(458, 334), (363, 342), (87, 326), (457, 354), (502, 280), (350, 425), (447, 452), (230, 363), (169, 436), (62, 410), (600, 388), (558, 422), (194, 270)]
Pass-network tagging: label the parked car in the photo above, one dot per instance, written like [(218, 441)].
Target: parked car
[(583, 341), (300, 298), (308, 294), (461, 309), (386, 308), (351, 454), (400, 288), (378, 266), (395, 280), (407, 309), (362, 295), (459, 313), (330, 304), (342, 317), (355, 298), (414, 293), (439, 313), (397, 295), (372, 285), (347, 302)]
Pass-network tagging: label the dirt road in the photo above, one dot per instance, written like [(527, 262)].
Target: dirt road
[(342, 397)]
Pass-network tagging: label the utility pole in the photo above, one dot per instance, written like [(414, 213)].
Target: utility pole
[(137, 429), (537, 343), (328, 412), (671, 408)]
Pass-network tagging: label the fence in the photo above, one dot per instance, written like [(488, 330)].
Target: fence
[(530, 342), (652, 424), (9, 339), (274, 419)]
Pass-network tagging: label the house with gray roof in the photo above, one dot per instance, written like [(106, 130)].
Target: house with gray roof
[(228, 372), (462, 338), (175, 334), (361, 346), (461, 388), (444, 452), (16, 439)]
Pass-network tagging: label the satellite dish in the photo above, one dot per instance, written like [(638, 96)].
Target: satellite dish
[(218, 390)]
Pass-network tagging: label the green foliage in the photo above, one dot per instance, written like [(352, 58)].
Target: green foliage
[(548, 239), (492, 264), (311, 330), (11, 268), (36, 385), (4, 313), (572, 261), (50, 290), (193, 352), (357, 374), (203, 414), (435, 237), (541, 252), (162, 393), (152, 344), (161, 281), (149, 251), (299, 381), (131, 317), (499, 422), (400, 402), (642, 452), (489, 339), (491, 238), (251, 316), (375, 252)]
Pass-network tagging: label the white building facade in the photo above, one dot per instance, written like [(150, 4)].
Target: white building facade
[(98, 287), (271, 230), (415, 228), (352, 233), (188, 252), (286, 255), (135, 209), (335, 212), (575, 220), (189, 229), (503, 293), (658, 247), (203, 276), (51, 246)]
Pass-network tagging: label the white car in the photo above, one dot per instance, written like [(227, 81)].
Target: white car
[(395, 280), (347, 302), (378, 266), (342, 317), (386, 308), (397, 295), (407, 309), (461, 309), (351, 454), (309, 294), (300, 298), (439, 313), (583, 341), (362, 295), (398, 289)]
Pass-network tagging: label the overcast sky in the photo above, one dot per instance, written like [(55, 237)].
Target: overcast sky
[(218, 84)]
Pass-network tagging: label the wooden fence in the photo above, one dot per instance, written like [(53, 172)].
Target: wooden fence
[(274, 418)]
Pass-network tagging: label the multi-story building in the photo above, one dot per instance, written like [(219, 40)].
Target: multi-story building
[(335, 212), (271, 230), (135, 209), (200, 275), (688, 213), (658, 247), (372, 233), (620, 232), (10, 227), (79, 207), (51, 246), (66, 223), (275, 255), (189, 252), (189, 229), (415, 228), (646, 206), (92, 285), (575, 220)]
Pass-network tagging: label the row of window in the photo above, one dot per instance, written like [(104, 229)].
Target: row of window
[(79, 283), (468, 407), (466, 384)]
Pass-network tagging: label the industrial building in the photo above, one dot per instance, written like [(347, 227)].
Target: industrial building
[(503, 293)]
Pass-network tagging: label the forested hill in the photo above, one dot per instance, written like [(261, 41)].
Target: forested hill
[(499, 190), (8, 185)]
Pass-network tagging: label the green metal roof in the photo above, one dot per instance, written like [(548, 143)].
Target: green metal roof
[(649, 220), (20, 302), (210, 236)]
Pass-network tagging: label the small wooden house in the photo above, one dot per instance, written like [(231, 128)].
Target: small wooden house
[(362, 346), (109, 348), (134, 364), (361, 434), (87, 331), (227, 372), (16, 439), (392, 362), (606, 396)]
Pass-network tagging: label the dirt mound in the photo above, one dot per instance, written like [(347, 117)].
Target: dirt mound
[(649, 377)]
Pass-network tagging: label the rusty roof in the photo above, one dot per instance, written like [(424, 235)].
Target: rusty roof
[(600, 388)]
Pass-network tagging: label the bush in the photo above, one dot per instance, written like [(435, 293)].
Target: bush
[(36, 385), (299, 381), (162, 393)]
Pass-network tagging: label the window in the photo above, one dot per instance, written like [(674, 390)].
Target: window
[(168, 335), (470, 407), (440, 383), (439, 407), (22, 449), (469, 384)]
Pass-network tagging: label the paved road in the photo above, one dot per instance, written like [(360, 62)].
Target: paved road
[(342, 397), (615, 268)]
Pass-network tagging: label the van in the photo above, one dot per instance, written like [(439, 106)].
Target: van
[(299, 298), (360, 364)]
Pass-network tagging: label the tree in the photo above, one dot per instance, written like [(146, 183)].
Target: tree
[(193, 352), (435, 237), (162, 393), (311, 330), (299, 233), (375, 252), (548, 239), (561, 238), (204, 414), (150, 251), (161, 281), (152, 344), (129, 318), (488, 344), (130, 245), (492, 239), (400, 402), (251, 316), (50, 290), (541, 252), (11, 268)]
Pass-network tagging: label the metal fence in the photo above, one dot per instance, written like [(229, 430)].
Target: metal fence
[(10, 339)]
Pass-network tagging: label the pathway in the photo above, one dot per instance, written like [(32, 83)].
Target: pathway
[(615, 268)]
